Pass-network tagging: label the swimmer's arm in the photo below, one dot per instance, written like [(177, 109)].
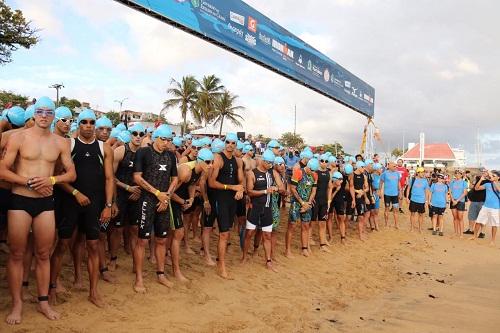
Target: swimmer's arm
[(279, 183), (108, 173), (329, 192), (351, 187), (250, 185), (203, 186), (293, 189), (313, 194), (118, 155), (67, 162), (9, 157), (143, 183), (241, 175)]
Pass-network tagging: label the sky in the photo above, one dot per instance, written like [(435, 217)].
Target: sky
[(434, 66)]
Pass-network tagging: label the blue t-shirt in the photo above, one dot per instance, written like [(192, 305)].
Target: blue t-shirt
[(420, 186), (439, 192), (291, 161), (457, 187), (492, 201), (391, 181), (375, 181)]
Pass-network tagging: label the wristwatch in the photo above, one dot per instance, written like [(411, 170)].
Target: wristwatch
[(109, 205)]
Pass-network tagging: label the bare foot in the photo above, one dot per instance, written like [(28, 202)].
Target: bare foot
[(78, 285), (343, 241), (324, 248), (223, 274), (45, 309), (162, 279), (112, 265), (209, 261), (181, 278), (492, 244), (305, 252), (60, 288), (14, 317), (139, 288), (243, 260), (189, 250), (289, 255), (108, 277), (269, 266), (97, 301)]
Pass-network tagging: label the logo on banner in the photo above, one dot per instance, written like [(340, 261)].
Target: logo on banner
[(283, 48), (237, 18), (264, 39), (250, 39), (300, 59), (252, 24), (235, 30), (195, 3), (326, 75), (309, 65)]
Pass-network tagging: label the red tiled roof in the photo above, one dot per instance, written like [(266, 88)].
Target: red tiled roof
[(435, 151)]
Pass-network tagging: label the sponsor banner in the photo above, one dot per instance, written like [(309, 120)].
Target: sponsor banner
[(245, 31)]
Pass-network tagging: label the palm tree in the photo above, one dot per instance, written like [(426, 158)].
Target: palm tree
[(209, 89), (184, 97), (225, 108)]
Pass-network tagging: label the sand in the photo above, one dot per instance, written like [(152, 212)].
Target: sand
[(395, 282)]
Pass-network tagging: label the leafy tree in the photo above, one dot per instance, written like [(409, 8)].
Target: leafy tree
[(70, 103), (396, 152), (184, 96), (209, 89), (114, 117), (8, 97), (15, 32), (291, 140), (225, 108), (335, 148)]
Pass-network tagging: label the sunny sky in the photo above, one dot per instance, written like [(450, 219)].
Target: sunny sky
[(433, 64)]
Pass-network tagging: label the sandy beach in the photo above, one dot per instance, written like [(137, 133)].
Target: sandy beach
[(396, 281)]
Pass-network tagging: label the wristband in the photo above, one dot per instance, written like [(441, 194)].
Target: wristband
[(53, 180), (127, 188), (157, 193), (75, 192), (225, 186), (265, 191)]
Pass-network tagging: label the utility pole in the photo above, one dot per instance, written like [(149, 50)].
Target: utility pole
[(57, 87), (295, 121), (120, 113)]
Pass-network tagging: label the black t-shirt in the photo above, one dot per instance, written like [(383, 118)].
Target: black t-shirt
[(478, 196), (157, 168)]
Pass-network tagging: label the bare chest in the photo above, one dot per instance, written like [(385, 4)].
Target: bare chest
[(40, 150)]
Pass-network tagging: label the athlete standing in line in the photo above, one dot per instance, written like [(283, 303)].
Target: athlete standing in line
[(28, 163), (320, 206), (390, 187), (155, 172), (227, 181)]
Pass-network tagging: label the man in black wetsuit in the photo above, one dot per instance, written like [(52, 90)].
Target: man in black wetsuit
[(87, 203), (320, 208), (260, 189), (155, 172), (359, 190), (127, 194), (227, 181)]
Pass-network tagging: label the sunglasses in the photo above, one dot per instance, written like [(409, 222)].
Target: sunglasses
[(135, 133), (208, 162), (230, 142), (270, 163), (280, 164), (42, 112), (197, 148), (87, 122), (165, 139), (323, 161), (66, 120)]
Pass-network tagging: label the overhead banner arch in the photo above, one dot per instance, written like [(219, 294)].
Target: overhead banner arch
[(241, 29)]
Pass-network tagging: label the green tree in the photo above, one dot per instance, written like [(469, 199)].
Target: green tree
[(288, 139), (15, 32), (184, 97), (335, 148), (114, 117), (7, 97), (70, 103), (396, 152), (225, 109), (209, 89)]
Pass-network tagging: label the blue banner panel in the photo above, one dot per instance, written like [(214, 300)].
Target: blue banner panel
[(241, 29)]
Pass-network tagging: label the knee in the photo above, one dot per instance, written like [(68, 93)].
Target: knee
[(160, 241), (16, 254), (92, 246), (266, 236), (224, 235), (42, 255), (179, 234)]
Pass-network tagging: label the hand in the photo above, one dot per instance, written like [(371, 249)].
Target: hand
[(239, 194), (114, 210), (408, 200), (135, 190), (134, 196), (207, 207), (353, 204), (236, 188), (161, 206), (39, 182), (105, 215), (163, 197), (46, 191), (82, 199), (188, 204)]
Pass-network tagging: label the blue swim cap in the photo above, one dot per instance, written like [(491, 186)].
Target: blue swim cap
[(239, 145), (63, 112), (279, 160), (324, 157), (4, 112), (328, 153), (150, 129), (316, 156), (337, 175), (377, 166), (348, 169), (177, 141), (44, 103), (125, 136), (306, 154), (137, 128), (121, 127), (308, 148), (206, 141), (247, 148), (360, 164), (86, 114), (268, 156), (231, 137), (273, 144), (74, 127), (313, 164), (332, 159), (29, 113), (217, 146), (104, 122), (197, 143), (246, 142), (16, 116), (114, 133), (205, 155), (368, 161), (163, 131)]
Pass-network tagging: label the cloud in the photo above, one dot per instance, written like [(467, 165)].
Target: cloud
[(43, 15)]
